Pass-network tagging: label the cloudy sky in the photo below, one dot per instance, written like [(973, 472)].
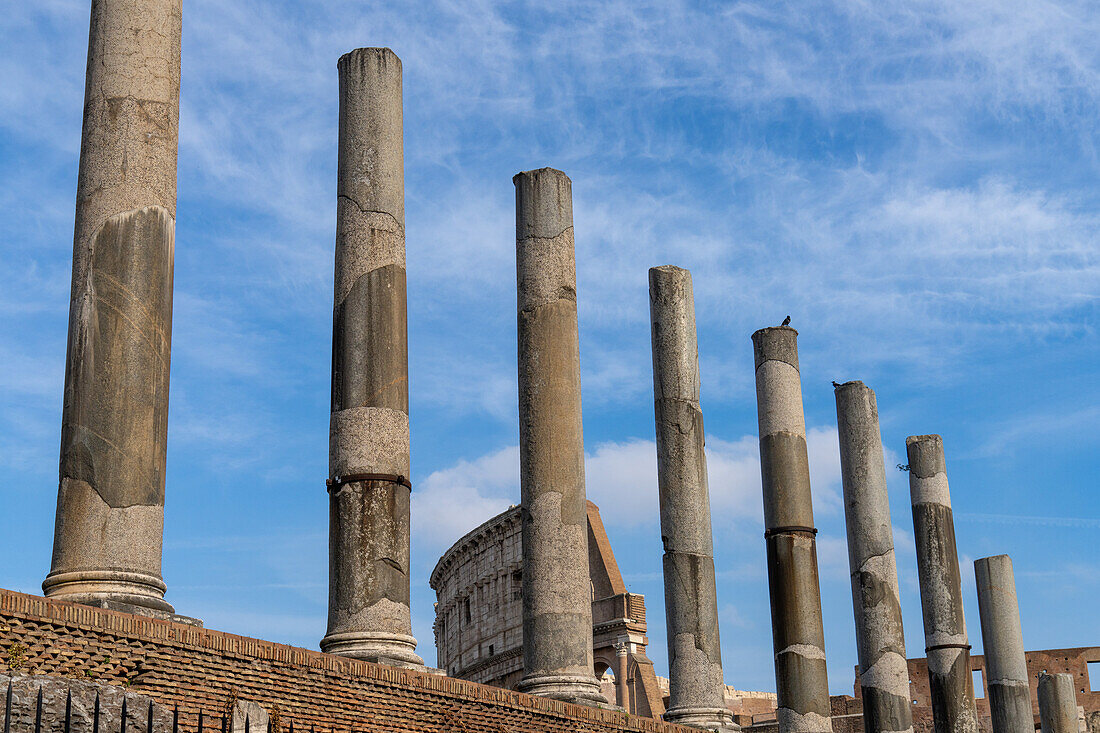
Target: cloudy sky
[(914, 181)]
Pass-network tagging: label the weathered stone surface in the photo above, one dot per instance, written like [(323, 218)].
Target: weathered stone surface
[(696, 683), (802, 685), (369, 615), (946, 645), (110, 512), (78, 701), (248, 717), (883, 672), (1058, 704), (557, 612), (128, 144), (1002, 638)]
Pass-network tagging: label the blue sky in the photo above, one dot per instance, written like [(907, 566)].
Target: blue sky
[(914, 182)]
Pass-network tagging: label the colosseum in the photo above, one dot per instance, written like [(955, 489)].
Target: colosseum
[(479, 614), (479, 619)]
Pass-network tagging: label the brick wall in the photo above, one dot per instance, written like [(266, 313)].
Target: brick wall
[(199, 669)]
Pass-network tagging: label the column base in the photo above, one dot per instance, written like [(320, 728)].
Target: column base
[(122, 590), (719, 719), (392, 650), (578, 689)]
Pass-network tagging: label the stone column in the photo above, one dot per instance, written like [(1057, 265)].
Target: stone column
[(368, 612), (557, 590), (696, 685), (945, 639), (883, 672), (114, 425), (1058, 703), (1002, 638), (622, 674), (802, 685)]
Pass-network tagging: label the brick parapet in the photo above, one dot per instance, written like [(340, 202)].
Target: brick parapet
[(200, 670)]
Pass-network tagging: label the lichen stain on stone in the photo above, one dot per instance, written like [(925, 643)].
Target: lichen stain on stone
[(115, 423)]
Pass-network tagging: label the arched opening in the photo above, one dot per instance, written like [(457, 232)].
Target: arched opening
[(605, 674)]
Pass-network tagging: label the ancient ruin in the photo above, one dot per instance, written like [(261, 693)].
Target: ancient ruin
[(1057, 703), (479, 614), (369, 488), (1009, 697), (691, 598), (883, 674), (1072, 663), (798, 638), (557, 616), (940, 587), (535, 628), (114, 425)]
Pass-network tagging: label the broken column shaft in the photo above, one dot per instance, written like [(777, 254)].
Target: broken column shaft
[(696, 685), (946, 646), (369, 432), (557, 590), (883, 671), (1057, 703), (114, 432), (802, 685), (1003, 642)]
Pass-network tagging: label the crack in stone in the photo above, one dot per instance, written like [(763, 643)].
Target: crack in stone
[(368, 212), (548, 239), (564, 292)]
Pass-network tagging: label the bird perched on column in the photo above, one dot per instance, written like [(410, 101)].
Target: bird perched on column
[(787, 321)]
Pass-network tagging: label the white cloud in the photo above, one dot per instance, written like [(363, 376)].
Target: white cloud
[(733, 472), (621, 478), (452, 501), (731, 617)]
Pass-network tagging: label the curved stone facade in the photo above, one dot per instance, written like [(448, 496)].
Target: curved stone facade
[(479, 614)]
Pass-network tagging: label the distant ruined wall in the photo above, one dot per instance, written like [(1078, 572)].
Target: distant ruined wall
[(199, 669), (1072, 661)]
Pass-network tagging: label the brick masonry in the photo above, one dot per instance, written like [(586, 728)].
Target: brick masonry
[(203, 670)]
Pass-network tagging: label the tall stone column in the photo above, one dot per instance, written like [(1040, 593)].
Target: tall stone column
[(946, 644), (696, 684), (1058, 703), (557, 590), (802, 685), (622, 674), (1002, 638), (883, 672), (369, 490), (114, 426)]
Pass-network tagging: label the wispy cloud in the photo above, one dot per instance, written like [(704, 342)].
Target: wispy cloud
[(914, 182), (1066, 522)]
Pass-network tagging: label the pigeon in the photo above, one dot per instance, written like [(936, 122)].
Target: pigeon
[(787, 321), (835, 385)]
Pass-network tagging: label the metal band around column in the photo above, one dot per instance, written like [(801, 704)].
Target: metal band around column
[(812, 531), (392, 478)]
